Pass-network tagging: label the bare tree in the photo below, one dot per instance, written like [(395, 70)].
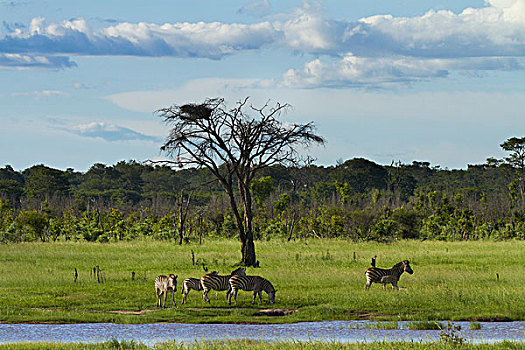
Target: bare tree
[(233, 145)]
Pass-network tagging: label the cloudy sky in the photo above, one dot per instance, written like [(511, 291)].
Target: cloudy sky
[(388, 80)]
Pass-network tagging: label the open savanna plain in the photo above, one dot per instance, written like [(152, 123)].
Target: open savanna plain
[(322, 279)]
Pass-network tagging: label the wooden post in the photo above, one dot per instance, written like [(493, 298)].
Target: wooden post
[(100, 279)]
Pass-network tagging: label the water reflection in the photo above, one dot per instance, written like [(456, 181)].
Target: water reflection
[(330, 331)]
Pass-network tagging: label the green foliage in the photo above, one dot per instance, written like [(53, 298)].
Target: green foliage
[(261, 189), (358, 199)]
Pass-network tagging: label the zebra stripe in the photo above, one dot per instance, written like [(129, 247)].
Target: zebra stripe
[(187, 285), (163, 285), (251, 283), (377, 275), (218, 282)]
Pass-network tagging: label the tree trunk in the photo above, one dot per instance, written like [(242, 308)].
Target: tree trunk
[(247, 245), (248, 252)]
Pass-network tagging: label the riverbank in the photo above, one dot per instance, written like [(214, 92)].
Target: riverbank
[(258, 345), (322, 279)]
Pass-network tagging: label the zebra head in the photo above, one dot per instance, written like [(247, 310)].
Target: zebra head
[(172, 281), (241, 271), (271, 296), (406, 267)]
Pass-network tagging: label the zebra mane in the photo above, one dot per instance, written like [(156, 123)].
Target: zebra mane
[(399, 264), (269, 285)]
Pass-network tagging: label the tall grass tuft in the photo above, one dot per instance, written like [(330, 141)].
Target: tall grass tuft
[(425, 325)]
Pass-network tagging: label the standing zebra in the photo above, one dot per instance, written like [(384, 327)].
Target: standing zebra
[(192, 283), (189, 284), (163, 285), (249, 283), (375, 274), (218, 282)]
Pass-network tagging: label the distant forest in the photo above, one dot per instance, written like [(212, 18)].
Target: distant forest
[(356, 199)]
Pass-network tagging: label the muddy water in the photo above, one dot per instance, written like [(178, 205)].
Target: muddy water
[(333, 331)]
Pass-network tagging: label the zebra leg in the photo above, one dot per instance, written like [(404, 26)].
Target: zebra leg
[(384, 286), (394, 285), (254, 295), (159, 298), (228, 292), (165, 297), (184, 296), (367, 285), (234, 291), (173, 298), (205, 296)]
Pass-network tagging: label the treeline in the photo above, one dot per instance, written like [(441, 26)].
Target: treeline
[(356, 199)]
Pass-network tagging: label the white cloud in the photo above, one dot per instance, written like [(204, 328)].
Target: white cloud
[(384, 49), (352, 71), (209, 40), (110, 132), (23, 61)]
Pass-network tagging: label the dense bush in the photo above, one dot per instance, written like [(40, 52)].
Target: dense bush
[(357, 200)]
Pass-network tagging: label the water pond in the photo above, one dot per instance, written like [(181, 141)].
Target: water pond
[(330, 331)]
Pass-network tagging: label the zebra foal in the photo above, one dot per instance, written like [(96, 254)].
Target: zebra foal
[(163, 285), (249, 283), (218, 282), (384, 276), (192, 283), (187, 285)]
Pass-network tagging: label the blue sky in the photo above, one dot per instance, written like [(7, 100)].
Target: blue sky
[(438, 81)]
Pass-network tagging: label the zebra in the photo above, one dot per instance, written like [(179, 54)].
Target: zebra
[(375, 274), (192, 283), (163, 285), (249, 283), (218, 282), (189, 284)]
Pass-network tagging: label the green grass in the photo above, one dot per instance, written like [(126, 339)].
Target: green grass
[(425, 325), (451, 281), (475, 326), (258, 345)]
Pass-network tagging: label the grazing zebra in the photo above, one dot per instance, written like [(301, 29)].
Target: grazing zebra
[(163, 285), (249, 283), (218, 282), (375, 274)]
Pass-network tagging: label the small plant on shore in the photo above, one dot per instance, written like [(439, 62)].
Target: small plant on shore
[(452, 335), (475, 326), (425, 326)]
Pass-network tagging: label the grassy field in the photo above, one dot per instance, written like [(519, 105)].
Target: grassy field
[(255, 345), (323, 279)]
